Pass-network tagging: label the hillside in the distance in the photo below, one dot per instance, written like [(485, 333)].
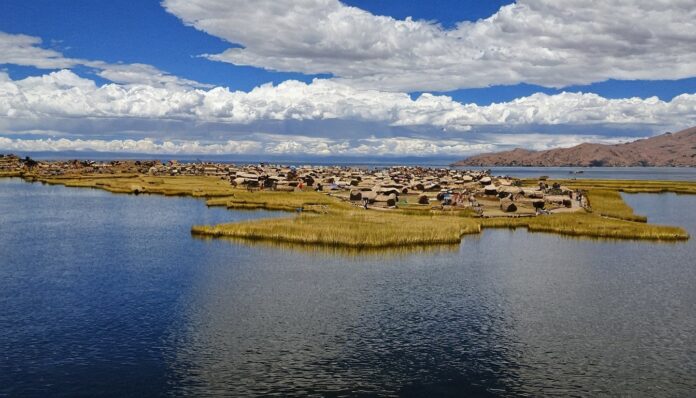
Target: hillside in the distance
[(669, 149)]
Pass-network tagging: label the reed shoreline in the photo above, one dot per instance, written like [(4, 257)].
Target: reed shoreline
[(324, 220)]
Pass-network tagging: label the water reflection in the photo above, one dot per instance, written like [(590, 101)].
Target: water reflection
[(124, 302), (596, 318), (333, 250), (389, 252), (665, 208), (351, 325)]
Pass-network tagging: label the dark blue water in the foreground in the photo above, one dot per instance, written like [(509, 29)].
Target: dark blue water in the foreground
[(109, 295)]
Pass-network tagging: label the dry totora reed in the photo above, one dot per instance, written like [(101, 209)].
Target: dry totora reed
[(590, 225), (356, 228), (328, 221)]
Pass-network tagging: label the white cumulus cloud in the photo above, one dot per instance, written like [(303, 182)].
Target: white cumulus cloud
[(26, 51), (18, 49), (63, 94), (543, 42)]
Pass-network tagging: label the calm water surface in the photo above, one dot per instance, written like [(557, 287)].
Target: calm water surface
[(620, 173), (109, 295)]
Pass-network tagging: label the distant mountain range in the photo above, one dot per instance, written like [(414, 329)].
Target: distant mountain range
[(669, 149)]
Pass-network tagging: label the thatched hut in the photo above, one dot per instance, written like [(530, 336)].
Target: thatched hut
[(560, 200), (247, 176), (532, 193), (356, 195), (389, 200), (388, 191), (510, 189), (270, 182), (433, 187), (238, 181), (508, 206), (369, 196), (490, 190), (392, 200)]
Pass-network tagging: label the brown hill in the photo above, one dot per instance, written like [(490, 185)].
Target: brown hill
[(669, 149)]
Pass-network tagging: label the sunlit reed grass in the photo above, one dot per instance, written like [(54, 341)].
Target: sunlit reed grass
[(283, 201), (342, 250), (590, 225), (611, 204), (197, 186), (357, 228), (328, 221)]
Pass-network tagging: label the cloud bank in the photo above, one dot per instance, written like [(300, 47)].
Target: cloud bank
[(544, 42), (64, 111), (63, 94), (263, 144)]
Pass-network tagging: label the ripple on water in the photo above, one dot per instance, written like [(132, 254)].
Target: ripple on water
[(126, 302)]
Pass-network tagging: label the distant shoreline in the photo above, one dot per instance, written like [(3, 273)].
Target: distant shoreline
[(315, 161), (666, 150)]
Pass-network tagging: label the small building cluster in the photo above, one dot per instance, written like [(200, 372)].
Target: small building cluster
[(376, 188), (10, 163)]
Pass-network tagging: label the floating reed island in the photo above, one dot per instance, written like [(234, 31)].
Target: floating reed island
[(372, 208)]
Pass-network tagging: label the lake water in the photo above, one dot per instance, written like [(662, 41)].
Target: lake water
[(621, 173), (110, 295)]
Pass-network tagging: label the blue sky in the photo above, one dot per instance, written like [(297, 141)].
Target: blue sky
[(142, 32), (338, 73)]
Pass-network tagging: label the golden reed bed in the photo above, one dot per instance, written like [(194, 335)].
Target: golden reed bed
[(328, 221)]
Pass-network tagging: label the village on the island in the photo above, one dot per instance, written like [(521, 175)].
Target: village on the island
[(368, 188)]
